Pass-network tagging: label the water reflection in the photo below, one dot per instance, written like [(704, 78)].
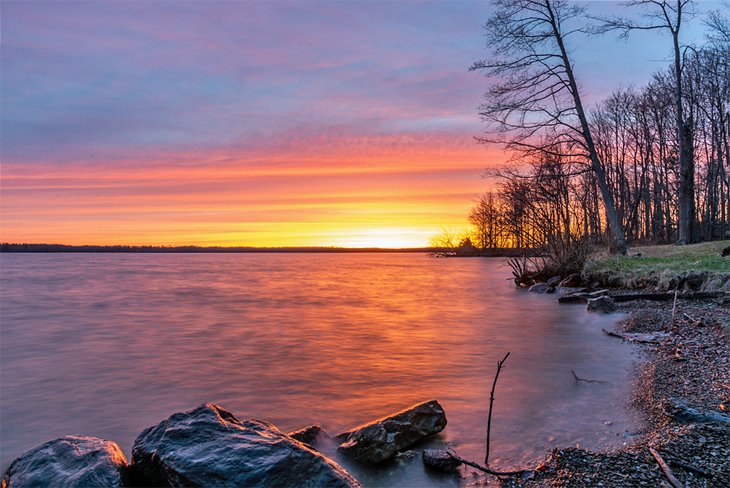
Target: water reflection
[(108, 344)]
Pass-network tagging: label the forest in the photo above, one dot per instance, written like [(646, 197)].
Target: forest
[(648, 164)]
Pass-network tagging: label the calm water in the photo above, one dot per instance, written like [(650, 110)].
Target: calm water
[(109, 344)]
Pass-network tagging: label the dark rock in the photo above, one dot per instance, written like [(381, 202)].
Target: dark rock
[(381, 439), (554, 280), (309, 435), (572, 281), (210, 447), (603, 304), (69, 461), (540, 288), (725, 252), (440, 460)]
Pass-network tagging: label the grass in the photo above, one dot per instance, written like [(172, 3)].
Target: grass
[(697, 266)]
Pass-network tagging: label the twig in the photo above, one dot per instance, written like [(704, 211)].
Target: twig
[(491, 402), (674, 307), (486, 470), (667, 472), (587, 381)]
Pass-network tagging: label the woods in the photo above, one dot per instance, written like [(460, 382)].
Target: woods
[(647, 164)]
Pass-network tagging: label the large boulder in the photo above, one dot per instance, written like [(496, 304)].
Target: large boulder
[(210, 447), (381, 439), (69, 461)]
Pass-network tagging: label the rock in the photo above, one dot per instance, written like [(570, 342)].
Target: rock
[(69, 461), (440, 460), (210, 447), (554, 280), (309, 435), (381, 439), (572, 281), (603, 304), (541, 288), (725, 252)]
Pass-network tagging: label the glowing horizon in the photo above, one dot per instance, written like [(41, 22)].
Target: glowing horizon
[(265, 124)]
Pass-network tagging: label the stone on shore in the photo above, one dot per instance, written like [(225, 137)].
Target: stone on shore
[(69, 461), (440, 460), (603, 304), (541, 288), (210, 447), (309, 435), (382, 439), (572, 281)]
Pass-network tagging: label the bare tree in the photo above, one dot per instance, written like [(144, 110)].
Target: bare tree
[(668, 15), (534, 105)]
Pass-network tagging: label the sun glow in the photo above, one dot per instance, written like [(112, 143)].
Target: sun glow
[(384, 238)]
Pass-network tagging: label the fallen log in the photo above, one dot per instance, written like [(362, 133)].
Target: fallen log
[(668, 296), (582, 298)]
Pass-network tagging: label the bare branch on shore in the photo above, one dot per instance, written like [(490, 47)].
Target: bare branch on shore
[(667, 471), (487, 470), (491, 402)]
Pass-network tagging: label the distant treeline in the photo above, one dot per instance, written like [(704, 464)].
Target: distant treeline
[(464, 251), (8, 247)]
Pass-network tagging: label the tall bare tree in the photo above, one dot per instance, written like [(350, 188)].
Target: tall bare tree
[(668, 15), (534, 105)]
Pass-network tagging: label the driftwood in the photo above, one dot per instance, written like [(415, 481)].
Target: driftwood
[(667, 472), (654, 338), (683, 413), (487, 470), (667, 296), (587, 381), (491, 402)]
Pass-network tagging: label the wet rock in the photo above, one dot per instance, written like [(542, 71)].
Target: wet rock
[(210, 447), (309, 435), (553, 281), (69, 461), (603, 304), (440, 460), (381, 439), (572, 281), (541, 288)]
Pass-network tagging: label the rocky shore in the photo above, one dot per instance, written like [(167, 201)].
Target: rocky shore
[(208, 446), (683, 390)]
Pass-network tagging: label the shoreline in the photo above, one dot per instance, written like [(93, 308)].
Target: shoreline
[(690, 364)]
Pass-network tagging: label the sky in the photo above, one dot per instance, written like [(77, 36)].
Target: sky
[(328, 123)]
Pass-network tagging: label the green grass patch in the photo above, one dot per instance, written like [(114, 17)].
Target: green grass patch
[(697, 266)]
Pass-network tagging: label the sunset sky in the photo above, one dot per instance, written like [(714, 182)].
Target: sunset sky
[(257, 123)]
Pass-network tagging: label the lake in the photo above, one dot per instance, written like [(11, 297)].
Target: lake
[(109, 344)]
